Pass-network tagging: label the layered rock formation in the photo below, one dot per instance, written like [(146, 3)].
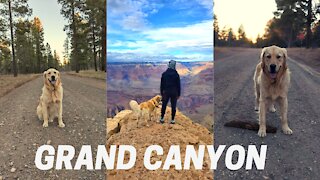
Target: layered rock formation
[(141, 81)]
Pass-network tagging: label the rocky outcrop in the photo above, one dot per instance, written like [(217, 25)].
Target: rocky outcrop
[(124, 129)]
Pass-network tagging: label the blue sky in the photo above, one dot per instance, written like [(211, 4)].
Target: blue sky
[(155, 30)]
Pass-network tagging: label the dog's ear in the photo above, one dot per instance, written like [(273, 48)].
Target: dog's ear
[(285, 57), (263, 51), (58, 81), (44, 74)]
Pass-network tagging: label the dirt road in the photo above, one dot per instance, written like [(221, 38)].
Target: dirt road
[(288, 157), (21, 133)]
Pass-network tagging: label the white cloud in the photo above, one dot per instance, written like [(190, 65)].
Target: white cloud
[(146, 42), (131, 14), (208, 4), (194, 38), (201, 31), (130, 57)]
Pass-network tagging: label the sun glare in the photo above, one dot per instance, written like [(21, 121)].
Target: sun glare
[(252, 14)]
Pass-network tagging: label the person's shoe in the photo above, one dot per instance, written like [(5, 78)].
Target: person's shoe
[(161, 120), (172, 121)]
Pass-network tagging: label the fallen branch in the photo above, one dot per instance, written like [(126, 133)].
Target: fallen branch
[(249, 125)]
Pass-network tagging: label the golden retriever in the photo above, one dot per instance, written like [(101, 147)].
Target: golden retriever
[(271, 81), (145, 108), (50, 103)]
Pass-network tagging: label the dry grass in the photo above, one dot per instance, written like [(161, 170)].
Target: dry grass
[(224, 52), (309, 57), (8, 82), (90, 74)]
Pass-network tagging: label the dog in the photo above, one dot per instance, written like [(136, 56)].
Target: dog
[(135, 108), (145, 108), (50, 103), (271, 84)]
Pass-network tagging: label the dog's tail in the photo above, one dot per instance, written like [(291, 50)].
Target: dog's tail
[(135, 107)]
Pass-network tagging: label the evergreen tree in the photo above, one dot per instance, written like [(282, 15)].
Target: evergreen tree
[(56, 60), (37, 32), (70, 10), (231, 37), (11, 9), (294, 17), (49, 56), (216, 31), (242, 37), (25, 52)]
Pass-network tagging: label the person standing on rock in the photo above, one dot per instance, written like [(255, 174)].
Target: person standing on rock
[(170, 90)]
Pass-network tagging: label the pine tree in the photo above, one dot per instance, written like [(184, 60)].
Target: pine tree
[(25, 51), (66, 52), (56, 60), (11, 9), (294, 17), (92, 11), (49, 56), (216, 31), (37, 32), (70, 10)]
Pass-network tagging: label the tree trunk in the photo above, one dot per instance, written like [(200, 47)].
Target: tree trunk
[(309, 21), (94, 47), (104, 49), (38, 54), (103, 53), (75, 40), (14, 63)]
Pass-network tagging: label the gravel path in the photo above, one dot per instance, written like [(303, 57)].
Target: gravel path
[(22, 133)]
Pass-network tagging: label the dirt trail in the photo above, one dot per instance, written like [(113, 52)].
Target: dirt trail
[(288, 157), (22, 133)]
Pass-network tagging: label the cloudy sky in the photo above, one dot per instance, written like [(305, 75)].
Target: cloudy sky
[(153, 30)]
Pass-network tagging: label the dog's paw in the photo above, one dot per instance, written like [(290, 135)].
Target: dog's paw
[(45, 125), (61, 125), (262, 132), (287, 130)]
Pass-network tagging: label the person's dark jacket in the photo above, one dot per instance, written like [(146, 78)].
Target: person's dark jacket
[(170, 83)]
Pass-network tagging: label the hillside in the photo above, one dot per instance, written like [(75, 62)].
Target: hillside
[(123, 130)]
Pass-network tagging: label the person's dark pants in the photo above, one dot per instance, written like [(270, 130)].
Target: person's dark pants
[(173, 100)]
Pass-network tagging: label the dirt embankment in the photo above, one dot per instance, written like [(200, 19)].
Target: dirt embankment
[(8, 82), (310, 57), (90, 74), (124, 129)]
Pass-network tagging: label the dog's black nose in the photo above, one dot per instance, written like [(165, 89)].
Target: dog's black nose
[(53, 78), (273, 68)]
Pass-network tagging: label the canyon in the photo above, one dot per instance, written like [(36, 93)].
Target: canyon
[(140, 81)]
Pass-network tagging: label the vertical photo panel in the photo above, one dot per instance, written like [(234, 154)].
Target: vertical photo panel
[(160, 85), (266, 88), (52, 88)]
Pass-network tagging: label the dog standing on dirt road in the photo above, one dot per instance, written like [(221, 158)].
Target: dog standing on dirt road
[(50, 103), (271, 81)]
